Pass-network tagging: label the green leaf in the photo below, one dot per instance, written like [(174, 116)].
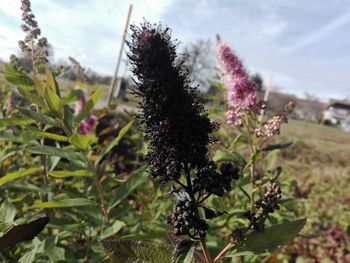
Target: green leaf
[(115, 141), (90, 104), (127, 187), (68, 119), (271, 239), (51, 82), (272, 147), (54, 102), (70, 202), (7, 212), (82, 141), (53, 151), (123, 251), (5, 122), (17, 136), (63, 174), (233, 157), (49, 135), (39, 86), (183, 251), (39, 117), (71, 96), (115, 228), (18, 78), (12, 176), (22, 232), (33, 98)]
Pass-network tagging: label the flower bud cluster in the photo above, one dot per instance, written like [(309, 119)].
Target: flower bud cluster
[(271, 127), (264, 206), (234, 117), (32, 44), (186, 217), (14, 61), (212, 182)]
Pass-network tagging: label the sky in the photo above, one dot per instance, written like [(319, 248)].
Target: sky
[(304, 45)]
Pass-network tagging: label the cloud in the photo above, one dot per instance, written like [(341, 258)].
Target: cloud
[(324, 32), (87, 30)]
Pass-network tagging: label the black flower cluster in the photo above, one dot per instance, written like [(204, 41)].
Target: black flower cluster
[(212, 182), (186, 215), (176, 124), (268, 204)]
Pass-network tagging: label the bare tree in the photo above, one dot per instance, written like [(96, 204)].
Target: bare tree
[(258, 80), (200, 61)]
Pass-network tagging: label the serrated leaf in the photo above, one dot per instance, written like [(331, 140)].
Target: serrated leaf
[(272, 147), (53, 151), (115, 141), (5, 122), (127, 187), (13, 176), (271, 239), (174, 239), (63, 174), (70, 202), (22, 232), (233, 157), (130, 251), (183, 249)]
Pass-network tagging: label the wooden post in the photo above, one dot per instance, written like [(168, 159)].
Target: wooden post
[(266, 97), (112, 88)]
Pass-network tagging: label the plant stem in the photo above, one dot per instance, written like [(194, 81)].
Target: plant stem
[(102, 200), (252, 167), (223, 252), (97, 173), (205, 250)]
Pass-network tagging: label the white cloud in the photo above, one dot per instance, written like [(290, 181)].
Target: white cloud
[(321, 34), (88, 30)]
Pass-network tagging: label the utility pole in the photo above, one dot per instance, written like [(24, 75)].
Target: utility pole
[(112, 88)]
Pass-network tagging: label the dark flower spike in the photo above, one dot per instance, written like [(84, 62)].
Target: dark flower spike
[(177, 127), (176, 124)]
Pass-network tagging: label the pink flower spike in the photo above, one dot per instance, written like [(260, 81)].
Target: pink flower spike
[(241, 91)]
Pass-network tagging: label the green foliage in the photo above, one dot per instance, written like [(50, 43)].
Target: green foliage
[(124, 251), (271, 239), (47, 167)]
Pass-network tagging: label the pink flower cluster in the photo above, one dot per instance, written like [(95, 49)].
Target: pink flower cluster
[(271, 127), (234, 118), (241, 91), (89, 124)]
